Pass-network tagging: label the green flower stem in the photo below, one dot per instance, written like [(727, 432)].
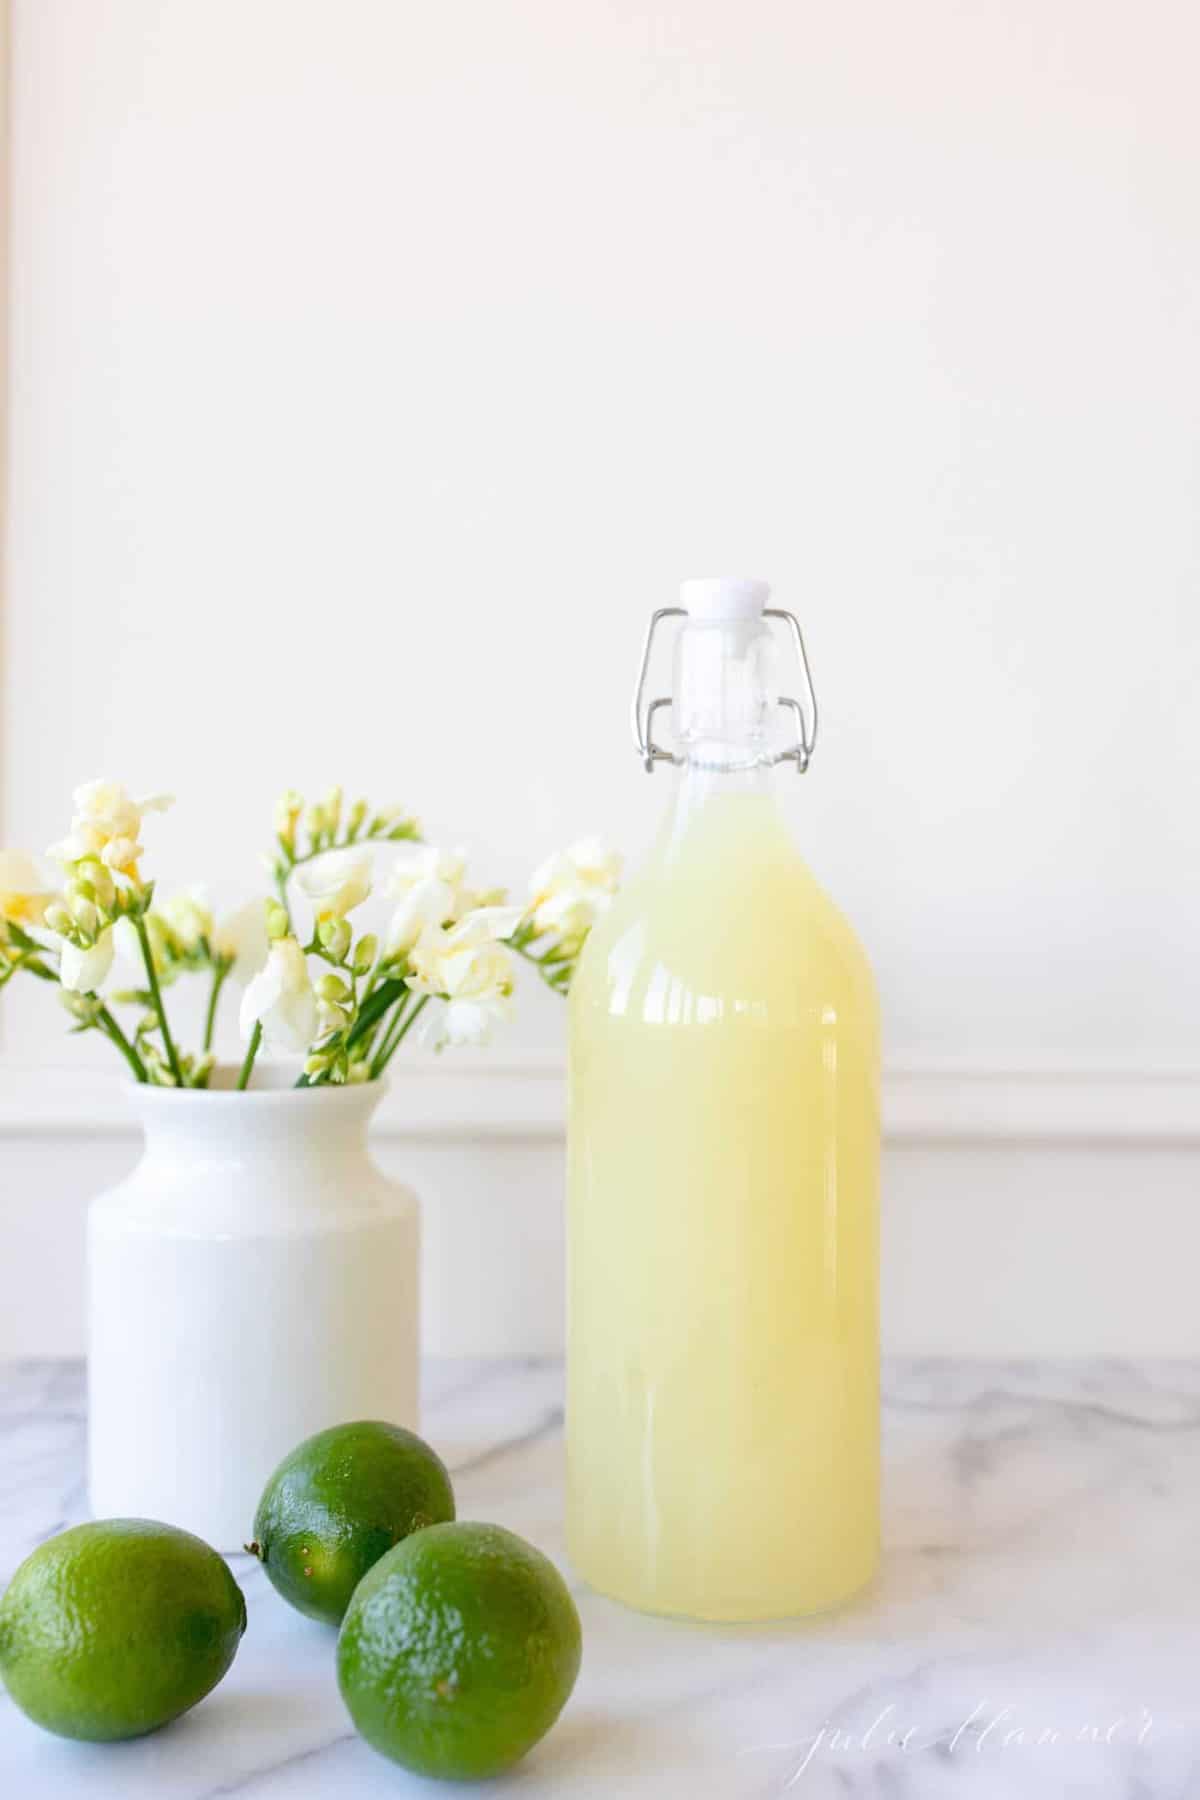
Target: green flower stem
[(252, 1051), (373, 1008), (112, 1031), (388, 1040), (28, 960), (364, 1040), (554, 966), (220, 971), (176, 1068), (394, 1037)]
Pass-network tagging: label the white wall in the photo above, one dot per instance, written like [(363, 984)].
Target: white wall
[(1030, 1215), (377, 367)]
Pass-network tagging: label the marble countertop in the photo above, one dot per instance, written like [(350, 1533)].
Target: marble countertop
[(1035, 1630)]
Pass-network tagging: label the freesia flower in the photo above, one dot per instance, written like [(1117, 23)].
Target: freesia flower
[(336, 881), (571, 889), (129, 944), (428, 884), (81, 970), (24, 895), (188, 918), (241, 938), (99, 880), (120, 854), (468, 967), (106, 826), (280, 998)]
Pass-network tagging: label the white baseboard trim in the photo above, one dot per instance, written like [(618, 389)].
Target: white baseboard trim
[(518, 1095)]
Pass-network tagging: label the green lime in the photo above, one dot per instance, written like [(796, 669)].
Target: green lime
[(110, 1630), (337, 1503), (458, 1651)]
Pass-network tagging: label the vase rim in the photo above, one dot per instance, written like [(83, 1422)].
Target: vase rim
[(278, 1090)]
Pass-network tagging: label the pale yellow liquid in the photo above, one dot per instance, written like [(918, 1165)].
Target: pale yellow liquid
[(723, 1440)]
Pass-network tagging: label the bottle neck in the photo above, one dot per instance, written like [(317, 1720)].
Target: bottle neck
[(722, 705), (723, 699)]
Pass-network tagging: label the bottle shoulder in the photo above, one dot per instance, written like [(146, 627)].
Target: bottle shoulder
[(765, 934)]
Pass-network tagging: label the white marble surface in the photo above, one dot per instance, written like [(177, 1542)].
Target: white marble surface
[(1035, 1631)]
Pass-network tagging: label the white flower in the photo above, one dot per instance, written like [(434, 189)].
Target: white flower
[(188, 918), (428, 884), (24, 895), (241, 937), (571, 889), (121, 855), (280, 999), (99, 880), (82, 971), (488, 924), (106, 826), (337, 881), (570, 913), (470, 969), (420, 862), (596, 865), (129, 945)]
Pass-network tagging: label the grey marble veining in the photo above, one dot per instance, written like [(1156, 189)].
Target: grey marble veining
[(1035, 1631)]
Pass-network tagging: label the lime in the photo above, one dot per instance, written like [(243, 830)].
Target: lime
[(458, 1651), (109, 1630), (337, 1503)]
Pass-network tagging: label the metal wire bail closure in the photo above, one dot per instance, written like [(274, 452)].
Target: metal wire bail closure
[(804, 713)]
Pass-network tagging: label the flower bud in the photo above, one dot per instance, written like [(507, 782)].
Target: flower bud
[(277, 922), (332, 1019), (365, 952), (86, 918), (332, 809), (355, 818), (332, 987), (393, 821), (83, 1007), (95, 881), (358, 1072), (57, 918), (317, 1065), (334, 936), (288, 808)]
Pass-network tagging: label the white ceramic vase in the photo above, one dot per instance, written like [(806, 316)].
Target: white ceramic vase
[(254, 1280)]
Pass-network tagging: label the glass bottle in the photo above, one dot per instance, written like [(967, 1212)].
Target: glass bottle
[(723, 1437)]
